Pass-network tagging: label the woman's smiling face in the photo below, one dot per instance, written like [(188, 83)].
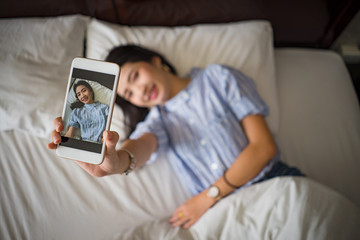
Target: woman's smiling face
[(84, 94), (144, 84)]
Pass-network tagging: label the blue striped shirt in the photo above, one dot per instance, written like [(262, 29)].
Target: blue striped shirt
[(91, 119), (199, 129)]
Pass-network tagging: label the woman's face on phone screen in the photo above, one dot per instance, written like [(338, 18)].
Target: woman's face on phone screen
[(84, 94)]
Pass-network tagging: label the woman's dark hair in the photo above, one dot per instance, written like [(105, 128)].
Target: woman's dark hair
[(133, 53), (78, 103)]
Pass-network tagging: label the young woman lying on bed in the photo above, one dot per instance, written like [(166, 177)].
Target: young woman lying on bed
[(210, 124)]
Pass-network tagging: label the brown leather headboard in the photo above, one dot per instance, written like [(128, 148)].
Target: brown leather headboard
[(301, 23)]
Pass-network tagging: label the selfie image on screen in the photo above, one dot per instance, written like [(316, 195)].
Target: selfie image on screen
[(87, 110)]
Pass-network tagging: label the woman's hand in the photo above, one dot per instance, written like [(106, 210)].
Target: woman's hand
[(111, 163), (190, 212), (55, 135)]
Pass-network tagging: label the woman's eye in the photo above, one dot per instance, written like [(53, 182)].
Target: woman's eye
[(136, 74)]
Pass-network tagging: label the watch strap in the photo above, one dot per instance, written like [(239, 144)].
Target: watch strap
[(132, 164)]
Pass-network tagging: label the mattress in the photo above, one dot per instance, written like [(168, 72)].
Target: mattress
[(319, 123)]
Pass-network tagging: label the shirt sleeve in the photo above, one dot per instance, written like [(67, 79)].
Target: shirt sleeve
[(73, 120), (153, 124), (240, 92)]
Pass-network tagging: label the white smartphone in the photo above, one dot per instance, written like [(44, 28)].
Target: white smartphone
[(89, 103)]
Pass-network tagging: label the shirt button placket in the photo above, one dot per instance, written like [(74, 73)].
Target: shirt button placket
[(214, 166)]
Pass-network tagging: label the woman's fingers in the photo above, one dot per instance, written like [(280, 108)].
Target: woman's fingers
[(58, 124), (52, 146), (55, 137), (179, 218), (183, 219), (111, 138)]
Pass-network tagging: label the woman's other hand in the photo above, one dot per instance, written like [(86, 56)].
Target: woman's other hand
[(190, 212)]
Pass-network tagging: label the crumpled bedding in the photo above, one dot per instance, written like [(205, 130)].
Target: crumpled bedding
[(281, 208), (45, 197)]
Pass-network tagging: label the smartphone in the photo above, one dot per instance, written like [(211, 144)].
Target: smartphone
[(88, 107)]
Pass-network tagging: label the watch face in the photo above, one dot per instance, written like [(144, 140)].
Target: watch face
[(213, 191)]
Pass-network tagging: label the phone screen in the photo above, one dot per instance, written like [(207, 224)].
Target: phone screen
[(87, 109)]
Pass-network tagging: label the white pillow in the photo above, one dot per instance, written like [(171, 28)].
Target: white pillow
[(35, 60), (247, 46)]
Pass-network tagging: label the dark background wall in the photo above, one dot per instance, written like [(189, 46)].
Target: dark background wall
[(296, 23)]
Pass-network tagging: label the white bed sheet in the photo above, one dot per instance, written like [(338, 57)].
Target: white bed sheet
[(320, 118), (45, 197)]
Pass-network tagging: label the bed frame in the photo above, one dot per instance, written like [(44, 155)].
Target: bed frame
[(306, 23)]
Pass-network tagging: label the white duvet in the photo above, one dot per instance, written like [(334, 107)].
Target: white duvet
[(44, 197), (281, 208)]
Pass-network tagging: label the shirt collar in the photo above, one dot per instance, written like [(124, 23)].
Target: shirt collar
[(184, 95), (90, 105)]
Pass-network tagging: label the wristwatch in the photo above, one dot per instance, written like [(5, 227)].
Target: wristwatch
[(214, 192)]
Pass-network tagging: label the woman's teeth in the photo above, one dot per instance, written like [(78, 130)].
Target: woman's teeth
[(152, 94)]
